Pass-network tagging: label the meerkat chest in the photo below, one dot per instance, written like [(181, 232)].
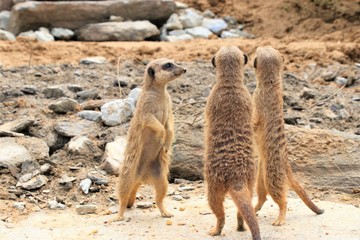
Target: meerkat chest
[(161, 110)]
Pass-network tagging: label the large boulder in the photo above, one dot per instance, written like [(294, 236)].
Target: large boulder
[(32, 15), (14, 151), (118, 31), (319, 158), (6, 4)]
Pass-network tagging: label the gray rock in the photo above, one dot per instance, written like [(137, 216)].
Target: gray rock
[(180, 5), (30, 166), (54, 205), (75, 88), (72, 129), (10, 134), (316, 120), (236, 33), (64, 105), (90, 115), (118, 31), (82, 146), (144, 205), (19, 205), (32, 15), (199, 32), (356, 98), (53, 92), (93, 60), (329, 114), (344, 114), (114, 155), (98, 179), (14, 151), (208, 14), (187, 161), (341, 81), (216, 25), (19, 125), (29, 89), (62, 33), (135, 93), (177, 33), (183, 37), (7, 36), (330, 74), (44, 35), (86, 209), (45, 168), (34, 183), (85, 185), (66, 179), (232, 21), (190, 18), (173, 23), (308, 93), (116, 19), (117, 112), (28, 34), (4, 19), (177, 198), (186, 188), (87, 94)]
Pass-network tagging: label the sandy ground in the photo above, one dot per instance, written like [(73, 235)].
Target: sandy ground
[(192, 220)]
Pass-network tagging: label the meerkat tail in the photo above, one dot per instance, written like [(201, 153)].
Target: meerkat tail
[(242, 200), (301, 192)]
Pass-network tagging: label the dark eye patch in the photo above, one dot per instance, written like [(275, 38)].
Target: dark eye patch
[(167, 66)]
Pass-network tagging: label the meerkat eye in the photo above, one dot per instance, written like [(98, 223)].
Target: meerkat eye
[(167, 66)]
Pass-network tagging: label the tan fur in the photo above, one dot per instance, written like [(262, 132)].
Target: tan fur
[(229, 163), (274, 171), (150, 137)]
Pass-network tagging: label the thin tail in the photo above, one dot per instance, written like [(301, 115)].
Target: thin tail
[(242, 200), (301, 192)]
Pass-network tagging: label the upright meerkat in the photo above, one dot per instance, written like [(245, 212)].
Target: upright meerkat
[(150, 137), (274, 171), (229, 163)]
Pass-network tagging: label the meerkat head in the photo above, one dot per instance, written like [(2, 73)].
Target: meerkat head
[(229, 58), (268, 61), (161, 71)]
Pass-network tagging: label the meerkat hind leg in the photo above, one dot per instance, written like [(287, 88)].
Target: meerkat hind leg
[(123, 201), (132, 196), (261, 190), (216, 197), (281, 202), (161, 185), (240, 222)]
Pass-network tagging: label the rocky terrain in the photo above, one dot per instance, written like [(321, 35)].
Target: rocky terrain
[(65, 109)]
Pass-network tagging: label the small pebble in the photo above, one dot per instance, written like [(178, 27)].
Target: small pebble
[(169, 222), (144, 205)]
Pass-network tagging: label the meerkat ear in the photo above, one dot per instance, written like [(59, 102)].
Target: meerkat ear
[(255, 61), (213, 62), (245, 59), (151, 72)]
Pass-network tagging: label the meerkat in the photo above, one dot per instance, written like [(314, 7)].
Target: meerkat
[(274, 170), (149, 139), (229, 162)]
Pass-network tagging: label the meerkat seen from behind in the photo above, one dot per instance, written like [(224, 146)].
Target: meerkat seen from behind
[(229, 163), (274, 170), (150, 137)]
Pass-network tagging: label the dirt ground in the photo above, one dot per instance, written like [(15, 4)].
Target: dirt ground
[(315, 37)]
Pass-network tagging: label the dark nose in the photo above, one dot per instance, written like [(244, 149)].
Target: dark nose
[(184, 70)]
